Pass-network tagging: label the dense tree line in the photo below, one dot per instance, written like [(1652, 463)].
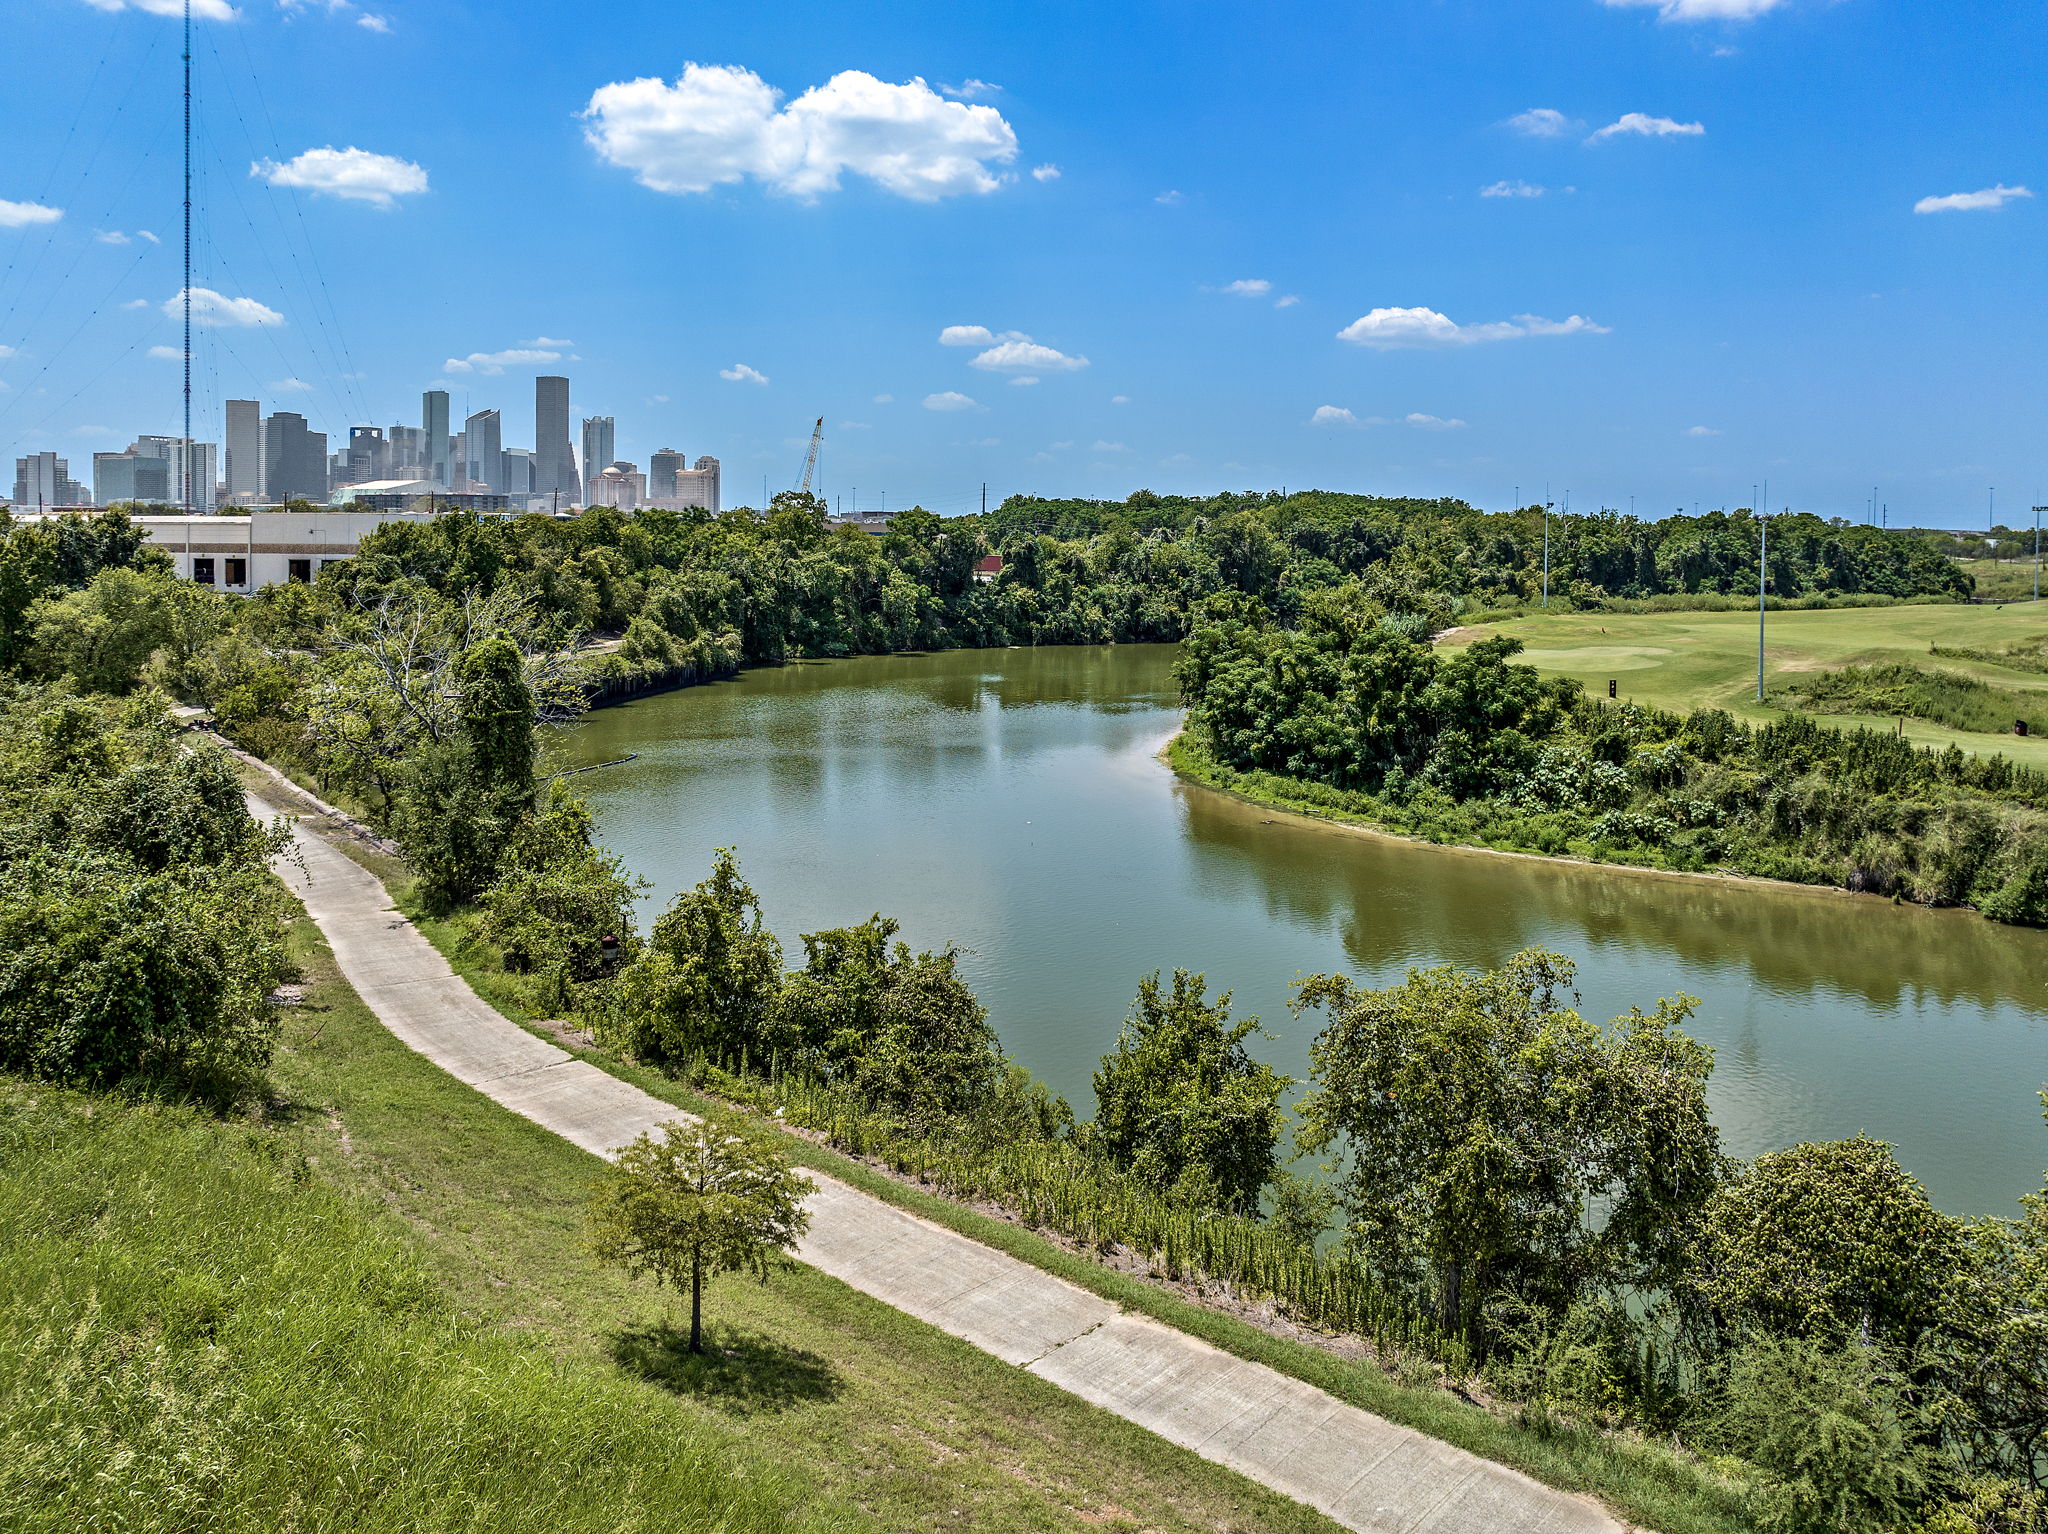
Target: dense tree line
[(1356, 710)]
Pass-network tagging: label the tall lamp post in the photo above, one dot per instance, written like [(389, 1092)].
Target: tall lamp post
[(2037, 551), (1763, 565)]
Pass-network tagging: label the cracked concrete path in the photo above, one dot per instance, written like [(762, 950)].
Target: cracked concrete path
[(1362, 1471)]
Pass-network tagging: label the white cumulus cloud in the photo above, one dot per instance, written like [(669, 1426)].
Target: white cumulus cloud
[(202, 10), (166, 353), (968, 335), (1424, 422), (220, 311), (1024, 355), (1394, 329), (354, 174), (739, 372), (719, 123), (1641, 123), (1046, 172), (372, 23), (1702, 10), (289, 386), (1990, 199), (1249, 287), (555, 341), (497, 362), (19, 215), (969, 89), (1702, 431), (1333, 415), (1541, 122), (1511, 189), (949, 400)]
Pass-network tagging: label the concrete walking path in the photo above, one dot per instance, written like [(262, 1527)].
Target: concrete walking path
[(1362, 1471)]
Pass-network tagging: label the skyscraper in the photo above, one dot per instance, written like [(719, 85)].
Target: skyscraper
[(130, 476), (662, 469), (515, 478), (434, 422), (192, 465), (484, 446), (554, 465), (245, 451), (294, 459), (44, 479), (599, 447)]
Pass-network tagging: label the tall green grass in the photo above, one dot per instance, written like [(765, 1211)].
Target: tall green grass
[(1900, 688), (1055, 1185), (2029, 654), (196, 1333)]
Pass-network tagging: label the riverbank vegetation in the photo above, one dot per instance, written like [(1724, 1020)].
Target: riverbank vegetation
[(1515, 1197), (1356, 713)]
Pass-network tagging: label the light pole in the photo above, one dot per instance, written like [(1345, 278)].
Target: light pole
[(2037, 551), (1763, 548)]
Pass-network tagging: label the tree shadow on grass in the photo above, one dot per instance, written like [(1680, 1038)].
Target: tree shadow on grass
[(742, 1372)]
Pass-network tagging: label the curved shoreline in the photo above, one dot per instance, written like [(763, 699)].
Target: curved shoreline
[(1331, 820)]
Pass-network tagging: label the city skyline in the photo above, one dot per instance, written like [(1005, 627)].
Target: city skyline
[(1653, 252)]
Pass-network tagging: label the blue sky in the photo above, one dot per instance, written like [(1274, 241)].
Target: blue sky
[(1723, 278)]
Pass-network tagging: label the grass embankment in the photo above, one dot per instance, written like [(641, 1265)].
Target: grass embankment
[(1687, 660), (2003, 580), (1907, 691), (198, 1330), (1644, 1482), (882, 1416)]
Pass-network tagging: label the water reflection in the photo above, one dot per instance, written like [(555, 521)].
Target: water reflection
[(1011, 801)]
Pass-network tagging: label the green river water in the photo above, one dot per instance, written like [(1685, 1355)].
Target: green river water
[(1012, 802)]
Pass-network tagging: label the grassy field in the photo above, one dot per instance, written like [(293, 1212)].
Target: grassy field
[(878, 1414), (2005, 580), (1688, 660)]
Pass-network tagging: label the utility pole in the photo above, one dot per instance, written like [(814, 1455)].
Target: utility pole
[(185, 295), (984, 498)]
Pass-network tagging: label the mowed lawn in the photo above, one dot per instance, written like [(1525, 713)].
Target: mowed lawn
[(1688, 660)]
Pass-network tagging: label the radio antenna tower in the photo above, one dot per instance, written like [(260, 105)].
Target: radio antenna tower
[(185, 294)]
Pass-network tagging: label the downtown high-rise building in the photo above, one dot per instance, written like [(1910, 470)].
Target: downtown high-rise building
[(130, 475), (434, 425), (554, 462), (294, 459), (244, 467), (44, 479), (192, 468), (673, 487), (600, 447), (483, 448)]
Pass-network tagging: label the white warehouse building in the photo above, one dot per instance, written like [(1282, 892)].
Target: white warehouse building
[(265, 548)]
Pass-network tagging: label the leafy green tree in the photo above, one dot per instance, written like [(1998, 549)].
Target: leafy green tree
[(141, 932), (559, 896), (1181, 1103), (1481, 1121), (496, 707), (904, 1029), (710, 977), (711, 1195), (102, 637), (1831, 1241)]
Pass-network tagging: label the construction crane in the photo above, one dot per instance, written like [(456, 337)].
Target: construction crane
[(811, 458)]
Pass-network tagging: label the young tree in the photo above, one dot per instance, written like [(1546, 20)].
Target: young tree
[(711, 1195), (711, 974), (1482, 1122), (1181, 1103)]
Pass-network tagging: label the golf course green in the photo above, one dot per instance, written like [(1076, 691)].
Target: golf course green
[(1688, 660)]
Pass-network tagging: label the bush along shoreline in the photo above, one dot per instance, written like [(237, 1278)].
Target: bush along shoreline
[(1354, 713)]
